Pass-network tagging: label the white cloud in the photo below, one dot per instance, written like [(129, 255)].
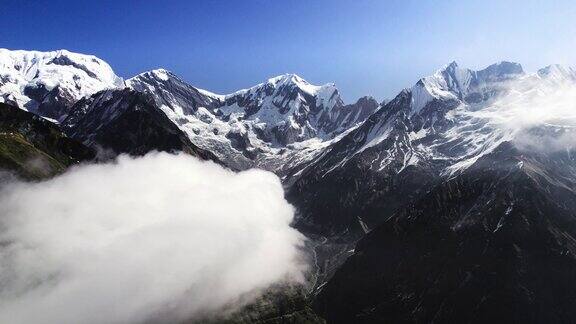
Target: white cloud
[(142, 239), (534, 112), (540, 112)]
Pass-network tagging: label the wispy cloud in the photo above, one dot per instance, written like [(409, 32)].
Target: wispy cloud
[(539, 111)]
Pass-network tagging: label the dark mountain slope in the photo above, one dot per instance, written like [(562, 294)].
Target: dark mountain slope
[(33, 147), (495, 244), (127, 121)]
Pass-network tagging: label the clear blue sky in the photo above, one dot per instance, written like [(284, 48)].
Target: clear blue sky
[(365, 47)]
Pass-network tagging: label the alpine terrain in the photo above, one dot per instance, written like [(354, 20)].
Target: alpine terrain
[(455, 201)]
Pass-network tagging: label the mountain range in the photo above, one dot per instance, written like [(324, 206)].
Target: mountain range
[(455, 201)]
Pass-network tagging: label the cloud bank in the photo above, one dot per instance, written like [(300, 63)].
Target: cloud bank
[(158, 238)]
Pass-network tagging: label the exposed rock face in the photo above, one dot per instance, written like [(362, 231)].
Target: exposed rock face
[(345, 117), (126, 121), (168, 90)]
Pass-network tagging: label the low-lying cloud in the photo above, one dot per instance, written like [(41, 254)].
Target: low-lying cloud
[(161, 237)]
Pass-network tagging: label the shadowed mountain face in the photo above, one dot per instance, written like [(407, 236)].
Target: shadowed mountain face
[(33, 147), (126, 121), (494, 244), (338, 192)]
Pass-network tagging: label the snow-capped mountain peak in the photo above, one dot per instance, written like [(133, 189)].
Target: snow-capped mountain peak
[(296, 80), (253, 125), (161, 74), (289, 81), (449, 82), (287, 78), (454, 82), (169, 90), (48, 83), (293, 109)]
